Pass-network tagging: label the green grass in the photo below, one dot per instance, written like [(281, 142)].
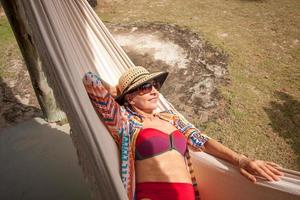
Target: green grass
[(8, 48), (262, 39), (5, 32)]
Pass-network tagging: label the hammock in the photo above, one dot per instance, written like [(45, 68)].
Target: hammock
[(72, 40)]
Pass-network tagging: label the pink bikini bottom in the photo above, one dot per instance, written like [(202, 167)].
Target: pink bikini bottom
[(164, 191)]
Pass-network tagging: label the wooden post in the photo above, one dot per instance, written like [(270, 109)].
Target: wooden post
[(93, 3), (18, 21)]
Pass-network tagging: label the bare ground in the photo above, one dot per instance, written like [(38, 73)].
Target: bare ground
[(262, 40), (17, 98), (196, 68)]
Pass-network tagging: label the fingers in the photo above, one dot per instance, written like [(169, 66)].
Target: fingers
[(248, 175), (273, 164), (268, 171), (274, 170), (263, 169), (264, 173)]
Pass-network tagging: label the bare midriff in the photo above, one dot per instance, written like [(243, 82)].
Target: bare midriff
[(167, 167)]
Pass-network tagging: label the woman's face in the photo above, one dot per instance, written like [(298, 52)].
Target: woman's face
[(144, 101)]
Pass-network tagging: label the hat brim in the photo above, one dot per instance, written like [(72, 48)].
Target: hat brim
[(158, 76)]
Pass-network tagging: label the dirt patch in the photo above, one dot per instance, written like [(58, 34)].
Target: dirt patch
[(196, 71), (17, 98), (196, 68)]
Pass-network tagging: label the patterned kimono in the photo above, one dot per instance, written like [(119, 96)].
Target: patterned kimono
[(124, 126)]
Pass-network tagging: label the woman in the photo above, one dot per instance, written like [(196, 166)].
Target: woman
[(153, 146)]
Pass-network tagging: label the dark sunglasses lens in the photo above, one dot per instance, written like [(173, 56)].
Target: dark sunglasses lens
[(157, 85), (147, 87)]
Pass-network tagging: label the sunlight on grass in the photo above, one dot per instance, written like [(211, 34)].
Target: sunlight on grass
[(262, 40), (8, 48)]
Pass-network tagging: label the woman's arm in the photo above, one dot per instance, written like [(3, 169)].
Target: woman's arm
[(249, 168), (110, 89), (113, 115)]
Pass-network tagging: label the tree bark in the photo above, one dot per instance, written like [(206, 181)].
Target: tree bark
[(19, 23)]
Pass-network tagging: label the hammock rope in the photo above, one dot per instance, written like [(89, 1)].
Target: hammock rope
[(72, 40)]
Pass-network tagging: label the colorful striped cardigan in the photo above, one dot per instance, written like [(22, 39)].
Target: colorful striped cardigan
[(124, 126)]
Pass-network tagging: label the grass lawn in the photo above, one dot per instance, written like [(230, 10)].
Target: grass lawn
[(262, 39), (9, 50)]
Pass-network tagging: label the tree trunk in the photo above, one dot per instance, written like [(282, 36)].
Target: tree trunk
[(18, 21), (93, 3)]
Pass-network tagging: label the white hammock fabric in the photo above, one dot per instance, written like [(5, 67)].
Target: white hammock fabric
[(72, 40)]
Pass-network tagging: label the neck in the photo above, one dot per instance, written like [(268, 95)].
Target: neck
[(147, 114)]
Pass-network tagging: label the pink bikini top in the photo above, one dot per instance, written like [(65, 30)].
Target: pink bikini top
[(152, 142)]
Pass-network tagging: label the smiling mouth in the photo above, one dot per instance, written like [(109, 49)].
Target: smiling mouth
[(155, 99)]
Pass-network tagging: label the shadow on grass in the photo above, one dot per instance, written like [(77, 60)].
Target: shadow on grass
[(284, 113), (12, 110)]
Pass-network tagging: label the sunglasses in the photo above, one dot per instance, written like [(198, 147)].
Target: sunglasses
[(147, 87)]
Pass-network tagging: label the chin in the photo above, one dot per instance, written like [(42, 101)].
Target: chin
[(153, 106), (150, 105)]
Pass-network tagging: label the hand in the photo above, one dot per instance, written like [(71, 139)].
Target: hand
[(111, 89), (251, 168)]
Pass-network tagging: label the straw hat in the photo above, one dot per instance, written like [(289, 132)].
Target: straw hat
[(134, 77)]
